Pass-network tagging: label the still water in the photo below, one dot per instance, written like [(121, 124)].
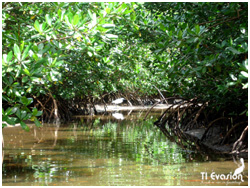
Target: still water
[(105, 151)]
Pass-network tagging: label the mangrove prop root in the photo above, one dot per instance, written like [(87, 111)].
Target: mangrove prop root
[(171, 111), (47, 100), (191, 123), (194, 114), (199, 112), (160, 102), (39, 102), (175, 111), (210, 125), (161, 94), (188, 117), (55, 108), (230, 131), (237, 145), (151, 109)]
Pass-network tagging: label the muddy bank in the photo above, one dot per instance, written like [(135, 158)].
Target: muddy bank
[(213, 143)]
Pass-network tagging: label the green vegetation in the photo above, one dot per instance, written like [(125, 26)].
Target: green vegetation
[(59, 54)]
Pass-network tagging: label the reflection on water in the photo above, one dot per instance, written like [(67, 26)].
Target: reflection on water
[(102, 150)]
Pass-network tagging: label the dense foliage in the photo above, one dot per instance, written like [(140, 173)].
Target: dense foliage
[(67, 51), (203, 49)]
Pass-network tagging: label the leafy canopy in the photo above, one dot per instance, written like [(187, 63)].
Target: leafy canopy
[(73, 50)]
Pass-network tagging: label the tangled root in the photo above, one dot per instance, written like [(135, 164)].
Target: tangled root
[(192, 114)]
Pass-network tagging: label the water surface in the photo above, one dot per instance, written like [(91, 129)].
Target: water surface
[(102, 150)]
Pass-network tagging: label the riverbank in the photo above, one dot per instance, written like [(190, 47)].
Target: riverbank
[(214, 142)]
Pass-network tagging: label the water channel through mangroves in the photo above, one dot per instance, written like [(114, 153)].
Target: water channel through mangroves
[(104, 150)]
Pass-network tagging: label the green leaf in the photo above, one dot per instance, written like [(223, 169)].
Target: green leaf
[(17, 93), (37, 26), (26, 71), (21, 46), (59, 12), (26, 101), (18, 113), (5, 98), (37, 123), (234, 78), (9, 111), (4, 125), (49, 78), (180, 35), (44, 26), (70, 17), (17, 52), (14, 109), (35, 112), (231, 84), (23, 114), (4, 60), (11, 120), (197, 29), (24, 126), (243, 112), (108, 10), (245, 86), (25, 79), (39, 113), (59, 63), (162, 27), (53, 63), (103, 5), (233, 50), (136, 27), (48, 19), (30, 100), (192, 40), (204, 69), (122, 8), (244, 74), (25, 52), (76, 20), (67, 20), (9, 56), (29, 89), (133, 16)]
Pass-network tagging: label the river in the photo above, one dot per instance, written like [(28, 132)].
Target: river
[(104, 151)]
